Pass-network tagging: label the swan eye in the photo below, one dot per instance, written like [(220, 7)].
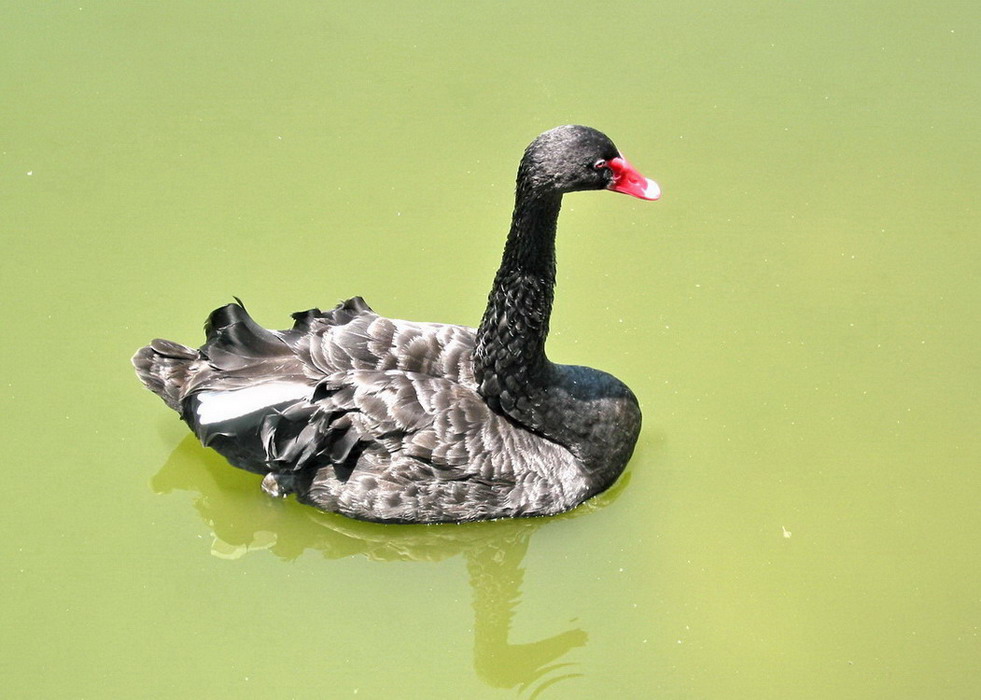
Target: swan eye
[(599, 165)]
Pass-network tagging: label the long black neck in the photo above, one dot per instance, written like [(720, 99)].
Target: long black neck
[(509, 360)]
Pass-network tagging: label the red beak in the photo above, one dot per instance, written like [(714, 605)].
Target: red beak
[(626, 179)]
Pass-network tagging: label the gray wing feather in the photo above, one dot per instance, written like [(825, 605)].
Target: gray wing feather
[(368, 341)]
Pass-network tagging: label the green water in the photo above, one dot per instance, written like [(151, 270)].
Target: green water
[(798, 315)]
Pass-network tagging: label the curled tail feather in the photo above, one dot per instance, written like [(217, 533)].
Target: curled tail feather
[(163, 366)]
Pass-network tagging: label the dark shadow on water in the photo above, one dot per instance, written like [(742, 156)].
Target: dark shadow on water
[(243, 520)]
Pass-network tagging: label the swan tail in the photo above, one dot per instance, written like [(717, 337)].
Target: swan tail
[(164, 367), (237, 353)]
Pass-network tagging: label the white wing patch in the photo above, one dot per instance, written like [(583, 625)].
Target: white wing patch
[(219, 406)]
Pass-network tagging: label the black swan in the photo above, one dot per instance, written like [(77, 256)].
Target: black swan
[(401, 422)]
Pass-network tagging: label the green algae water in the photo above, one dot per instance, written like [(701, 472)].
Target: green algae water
[(797, 315)]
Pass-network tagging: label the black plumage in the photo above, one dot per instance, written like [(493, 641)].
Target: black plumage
[(396, 421)]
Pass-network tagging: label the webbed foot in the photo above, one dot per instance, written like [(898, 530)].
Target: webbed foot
[(272, 486)]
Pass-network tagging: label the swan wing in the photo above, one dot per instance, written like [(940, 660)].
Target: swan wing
[(353, 337)]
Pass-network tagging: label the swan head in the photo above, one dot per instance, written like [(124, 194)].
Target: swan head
[(572, 158)]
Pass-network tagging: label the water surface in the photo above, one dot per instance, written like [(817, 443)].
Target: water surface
[(798, 317)]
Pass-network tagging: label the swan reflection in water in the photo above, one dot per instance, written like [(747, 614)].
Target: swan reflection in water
[(243, 520)]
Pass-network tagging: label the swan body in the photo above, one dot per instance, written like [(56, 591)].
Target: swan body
[(396, 421)]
